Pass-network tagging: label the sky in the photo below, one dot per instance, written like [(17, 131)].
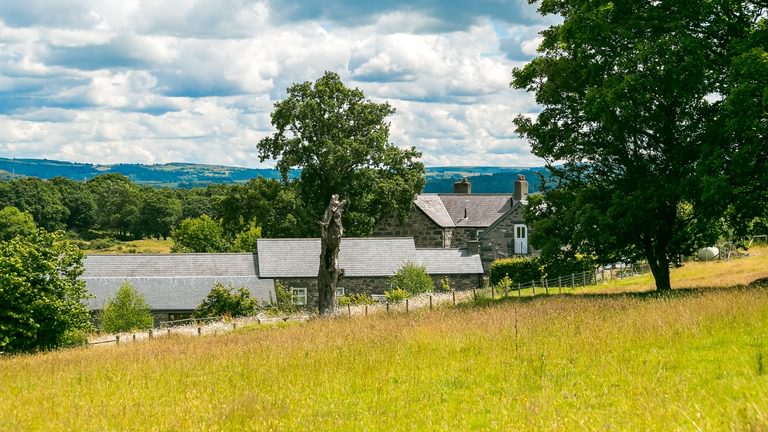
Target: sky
[(157, 81)]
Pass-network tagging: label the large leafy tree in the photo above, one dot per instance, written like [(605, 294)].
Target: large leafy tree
[(79, 202), (38, 198), (118, 202), (41, 298), (340, 141), (201, 234), (14, 222), (632, 92)]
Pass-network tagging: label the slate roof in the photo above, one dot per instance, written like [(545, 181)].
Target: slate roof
[(464, 210), (359, 257), (172, 282)]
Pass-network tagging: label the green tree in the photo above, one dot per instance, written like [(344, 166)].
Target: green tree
[(160, 211), (41, 298), (277, 206), (117, 202), (629, 94), (340, 141), (38, 198), (126, 311), (15, 223), (79, 202), (245, 241), (201, 234), (222, 300), (412, 278)]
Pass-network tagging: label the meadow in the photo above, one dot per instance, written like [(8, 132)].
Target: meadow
[(693, 360)]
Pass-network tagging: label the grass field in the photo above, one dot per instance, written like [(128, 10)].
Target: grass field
[(148, 246), (694, 360)]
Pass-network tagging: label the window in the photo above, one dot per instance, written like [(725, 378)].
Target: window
[(520, 232), (339, 291), (299, 296)]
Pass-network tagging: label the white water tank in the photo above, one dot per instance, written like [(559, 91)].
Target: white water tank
[(708, 253)]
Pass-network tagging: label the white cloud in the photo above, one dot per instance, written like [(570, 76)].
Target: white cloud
[(172, 80)]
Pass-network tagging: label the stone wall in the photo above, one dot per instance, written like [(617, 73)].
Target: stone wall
[(375, 285), (460, 236), (425, 232), (495, 242)]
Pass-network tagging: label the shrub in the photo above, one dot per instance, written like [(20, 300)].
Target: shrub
[(355, 299), (229, 301), (245, 241), (519, 270), (565, 263), (126, 311), (445, 284), (396, 295), (283, 302), (413, 279)]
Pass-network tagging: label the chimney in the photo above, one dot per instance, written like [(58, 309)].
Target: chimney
[(462, 187), (521, 189), (473, 247)]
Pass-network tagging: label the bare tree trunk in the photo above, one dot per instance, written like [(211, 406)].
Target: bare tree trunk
[(329, 273)]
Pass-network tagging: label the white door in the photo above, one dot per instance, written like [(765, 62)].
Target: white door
[(521, 239)]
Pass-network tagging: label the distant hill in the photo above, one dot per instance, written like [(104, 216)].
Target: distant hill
[(186, 175)]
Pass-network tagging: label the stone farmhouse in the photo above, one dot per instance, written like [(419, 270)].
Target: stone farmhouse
[(492, 225), (175, 284)]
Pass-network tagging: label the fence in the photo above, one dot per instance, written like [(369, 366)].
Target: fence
[(584, 279)]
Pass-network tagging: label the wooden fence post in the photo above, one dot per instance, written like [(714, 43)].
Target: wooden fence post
[(234, 326), (366, 310), (493, 292), (406, 305), (117, 339), (430, 302), (150, 334), (199, 331), (533, 287), (169, 332), (453, 293), (134, 337), (387, 306), (474, 293), (349, 310), (546, 286)]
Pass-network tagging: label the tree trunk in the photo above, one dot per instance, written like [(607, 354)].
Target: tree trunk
[(659, 263), (331, 232)]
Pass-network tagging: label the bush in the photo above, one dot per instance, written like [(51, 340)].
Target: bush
[(413, 279), (355, 299), (201, 234), (445, 284), (227, 301), (566, 263), (397, 295), (126, 311), (283, 303), (519, 270)]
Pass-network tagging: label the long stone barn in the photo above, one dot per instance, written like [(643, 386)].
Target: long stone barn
[(175, 284)]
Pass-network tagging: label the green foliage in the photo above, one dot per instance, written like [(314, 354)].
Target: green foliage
[(201, 234), (245, 241), (118, 202), (15, 223), (340, 141), (38, 198), (126, 311), (412, 278), (160, 211), (519, 269), (41, 298), (396, 295), (227, 301), (628, 118), (355, 299), (504, 284), (445, 284), (283, 303)]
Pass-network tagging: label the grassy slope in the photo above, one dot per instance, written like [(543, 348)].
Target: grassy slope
[(695, 360), (148, 246)]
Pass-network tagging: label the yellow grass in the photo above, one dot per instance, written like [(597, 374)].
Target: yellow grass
[(148, 246), (695, 360)]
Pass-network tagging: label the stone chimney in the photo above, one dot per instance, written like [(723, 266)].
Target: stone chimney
[(521, 189), (462, 187)]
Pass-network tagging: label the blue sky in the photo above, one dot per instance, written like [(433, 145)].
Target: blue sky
[(155, 81)]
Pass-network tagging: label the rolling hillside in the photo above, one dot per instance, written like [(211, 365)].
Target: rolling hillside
[(186, 175)]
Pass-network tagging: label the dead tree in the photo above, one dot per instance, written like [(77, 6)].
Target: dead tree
[(331, 232)]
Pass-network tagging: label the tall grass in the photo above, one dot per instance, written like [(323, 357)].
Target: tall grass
[(693, 361)]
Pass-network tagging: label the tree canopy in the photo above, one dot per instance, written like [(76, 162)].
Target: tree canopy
[(126, 311), (340, 141), (41, 298), (640, 97)]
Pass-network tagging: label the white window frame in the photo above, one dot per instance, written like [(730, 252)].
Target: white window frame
[(340, 291), (299, 296)]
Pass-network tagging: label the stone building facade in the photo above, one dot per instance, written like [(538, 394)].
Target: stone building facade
[(492, 225)]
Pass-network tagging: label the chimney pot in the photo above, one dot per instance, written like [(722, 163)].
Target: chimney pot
[(462, 187)]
